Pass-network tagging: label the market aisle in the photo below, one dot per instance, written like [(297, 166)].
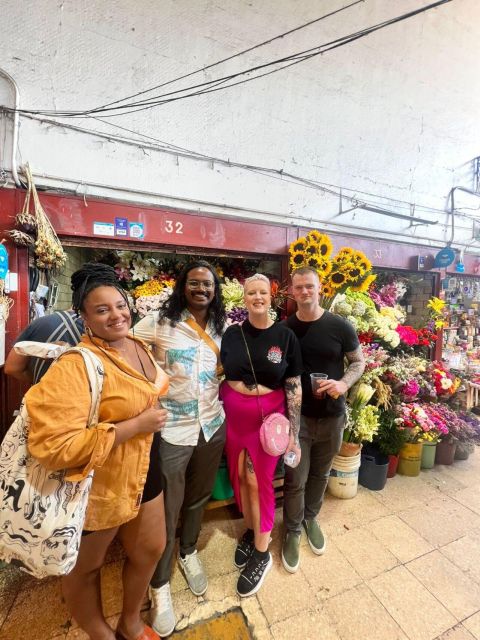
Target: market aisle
[(400, 563)]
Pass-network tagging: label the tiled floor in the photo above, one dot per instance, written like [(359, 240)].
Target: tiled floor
[(402, 563)]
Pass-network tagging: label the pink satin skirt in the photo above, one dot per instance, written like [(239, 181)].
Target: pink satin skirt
[(243, 418)]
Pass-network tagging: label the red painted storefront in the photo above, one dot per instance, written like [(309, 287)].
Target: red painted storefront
[(101, 223)]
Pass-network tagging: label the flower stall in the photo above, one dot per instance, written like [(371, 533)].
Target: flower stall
[(405, 406), (149, 279)]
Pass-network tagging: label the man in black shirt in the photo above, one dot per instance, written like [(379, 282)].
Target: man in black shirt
[(325, 341)]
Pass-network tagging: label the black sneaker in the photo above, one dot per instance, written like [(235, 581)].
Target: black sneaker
[(253, 575), (244, 550)]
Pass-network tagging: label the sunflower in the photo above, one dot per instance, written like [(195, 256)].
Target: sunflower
[(361, 260), (344, 254), (355, 272), (327, 291), (337, 279), (298, 245), (312, 261), (322, 242), (311, 249), (315, 236), (324, 268), (297, 259), (365, 285)]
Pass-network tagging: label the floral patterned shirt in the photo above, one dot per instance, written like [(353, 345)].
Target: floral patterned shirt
[(192, 401)]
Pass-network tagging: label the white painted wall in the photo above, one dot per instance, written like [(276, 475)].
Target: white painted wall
[(393, 116)]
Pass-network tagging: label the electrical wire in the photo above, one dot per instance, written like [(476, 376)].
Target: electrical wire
[(235, 55), (212, 85), (278, 174)]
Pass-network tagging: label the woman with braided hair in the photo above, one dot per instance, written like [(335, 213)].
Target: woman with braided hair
[(126, 498)]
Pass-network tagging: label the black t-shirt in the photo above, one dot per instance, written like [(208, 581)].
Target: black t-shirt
[(275, 354), (324, 343)]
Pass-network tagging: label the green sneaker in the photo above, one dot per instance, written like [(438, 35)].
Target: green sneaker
[(315, 537), (291, 551)]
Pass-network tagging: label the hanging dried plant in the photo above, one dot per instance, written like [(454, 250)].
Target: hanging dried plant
[(20, 238), (26, 222), (48, 249)]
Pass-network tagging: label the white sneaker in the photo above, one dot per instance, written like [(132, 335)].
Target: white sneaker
[(162, 616), (194, 573)]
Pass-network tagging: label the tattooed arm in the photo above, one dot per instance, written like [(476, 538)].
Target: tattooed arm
[(356, 366), (293, 392)]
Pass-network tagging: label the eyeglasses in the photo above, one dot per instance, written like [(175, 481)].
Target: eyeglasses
[(208, 285)]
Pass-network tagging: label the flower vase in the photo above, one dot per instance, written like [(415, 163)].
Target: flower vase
[(410, 459), (462, 451), (428, 455), (445, 452), (392, 465), (349, 449)]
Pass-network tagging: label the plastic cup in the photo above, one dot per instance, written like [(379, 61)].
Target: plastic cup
[(290, 459), (314, 379)]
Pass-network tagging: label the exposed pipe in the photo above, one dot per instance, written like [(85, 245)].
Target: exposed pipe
[(452, 206), (214, 208), (16, 122)]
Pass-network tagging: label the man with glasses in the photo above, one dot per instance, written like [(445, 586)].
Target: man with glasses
[(186, 340)]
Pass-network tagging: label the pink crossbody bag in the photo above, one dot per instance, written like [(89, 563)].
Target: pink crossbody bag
[(275, 427)]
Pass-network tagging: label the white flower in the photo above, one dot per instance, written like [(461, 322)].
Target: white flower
[(125, 257)]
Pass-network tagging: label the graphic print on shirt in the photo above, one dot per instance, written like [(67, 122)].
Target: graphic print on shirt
[(210, 428), (275, 355), (179, 410), (205, 377), (185, 357)]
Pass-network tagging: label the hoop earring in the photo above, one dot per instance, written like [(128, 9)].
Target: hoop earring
[(88, 331)]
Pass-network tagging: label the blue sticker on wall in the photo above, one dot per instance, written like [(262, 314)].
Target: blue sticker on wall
[(3, 262), (444, 257)]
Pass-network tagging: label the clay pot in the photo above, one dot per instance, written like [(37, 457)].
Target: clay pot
[(349, 449)]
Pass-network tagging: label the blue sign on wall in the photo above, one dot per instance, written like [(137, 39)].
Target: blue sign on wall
[(444, 257), (3, 262)]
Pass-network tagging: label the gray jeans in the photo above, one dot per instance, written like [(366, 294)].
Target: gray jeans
[(304, 488), (189, 474)]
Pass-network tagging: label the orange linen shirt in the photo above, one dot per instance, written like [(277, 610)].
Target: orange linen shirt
[(58, 407)]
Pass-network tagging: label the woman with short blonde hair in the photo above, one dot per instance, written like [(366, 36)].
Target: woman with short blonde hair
[(272, 351)]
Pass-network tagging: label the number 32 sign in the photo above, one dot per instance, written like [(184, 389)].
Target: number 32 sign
[(171, 226)]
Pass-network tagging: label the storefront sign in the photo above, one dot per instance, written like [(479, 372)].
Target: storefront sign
[(444, 257), (136, 230), (121, 227), (103, 229)]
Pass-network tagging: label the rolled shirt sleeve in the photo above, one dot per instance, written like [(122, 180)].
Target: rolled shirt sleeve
[(145, 329), (58, 407)]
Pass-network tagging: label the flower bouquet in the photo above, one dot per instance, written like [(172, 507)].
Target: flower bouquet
[(149, 296), (362, 419), (348, 269), (414, 420), (445, 383)]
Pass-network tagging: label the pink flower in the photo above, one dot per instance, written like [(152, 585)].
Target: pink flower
[(407, 334), (411, 388)]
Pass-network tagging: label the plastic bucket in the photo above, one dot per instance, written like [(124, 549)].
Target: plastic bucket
[(445, 452), (462, 451), (392, 465), (373, 471), (428, 455), (222, 488), (343, 480), (410, 459)]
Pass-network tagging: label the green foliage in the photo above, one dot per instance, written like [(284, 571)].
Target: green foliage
[(390, 439)]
